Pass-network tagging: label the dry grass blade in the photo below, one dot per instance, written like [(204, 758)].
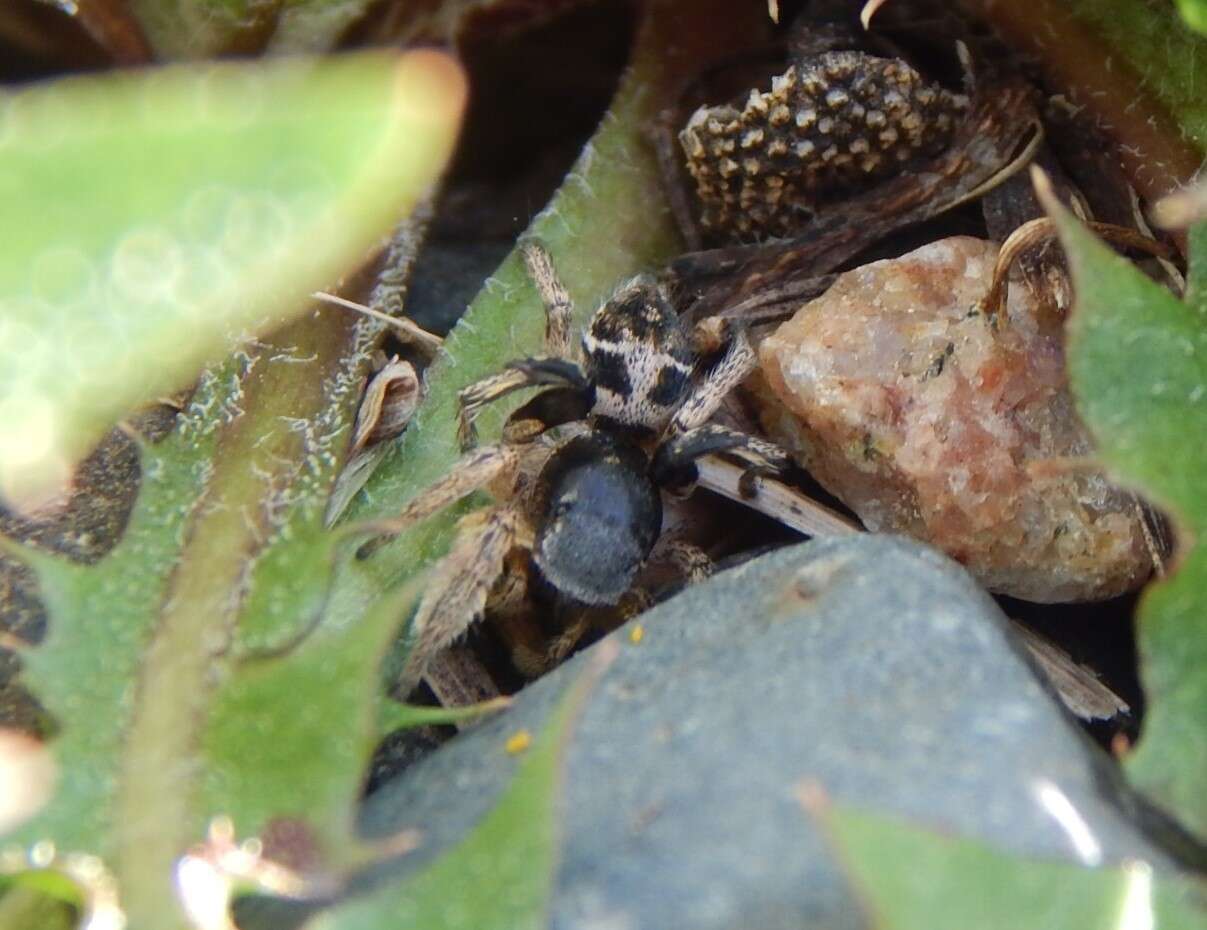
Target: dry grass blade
[(1041, 231), (776, 500), (1079, 688), (868, 11), (406, 329)]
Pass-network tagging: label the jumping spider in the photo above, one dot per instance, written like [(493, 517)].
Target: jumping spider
[(592, 516)]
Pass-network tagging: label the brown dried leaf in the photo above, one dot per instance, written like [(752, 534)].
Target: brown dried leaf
[(390, 401)]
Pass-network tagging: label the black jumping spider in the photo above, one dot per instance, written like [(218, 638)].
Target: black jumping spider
[(582, 515), (593, 513)]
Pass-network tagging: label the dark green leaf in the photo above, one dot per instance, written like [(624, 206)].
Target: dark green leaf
[(911, 879), (1138, 369), (500, 876)]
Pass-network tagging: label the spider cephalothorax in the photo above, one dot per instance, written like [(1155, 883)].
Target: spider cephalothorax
[(638, 359), (593, 515)]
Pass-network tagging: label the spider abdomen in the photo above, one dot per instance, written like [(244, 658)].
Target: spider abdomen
[(600, 515)]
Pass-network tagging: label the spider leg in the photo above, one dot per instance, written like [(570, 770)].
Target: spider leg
[(674, 465), (533, 655), (738, 362), (559, 309), (688, 559), (777, 500), (458, 588), (524, 373), (457, 677), (567, 640), (473, 472)]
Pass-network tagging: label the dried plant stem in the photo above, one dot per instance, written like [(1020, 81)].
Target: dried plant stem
[(1040, 231), (777, 500), (406, 328)]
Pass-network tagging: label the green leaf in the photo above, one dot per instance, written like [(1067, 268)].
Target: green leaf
[(405, 716), (153, 219), (912, 879), (500, 876), (1194, 12), (289, 738), (1138, 369), (169, 712), (24, 908)]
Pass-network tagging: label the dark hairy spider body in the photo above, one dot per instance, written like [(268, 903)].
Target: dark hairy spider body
[(599, 517), (588, 508)]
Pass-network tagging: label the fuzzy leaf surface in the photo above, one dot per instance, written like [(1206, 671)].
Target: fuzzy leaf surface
[(1136, 66), (1138, 369), (169, 711)]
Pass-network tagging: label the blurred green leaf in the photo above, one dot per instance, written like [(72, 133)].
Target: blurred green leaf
[(1194, 12), (24, 908), (1138, 369), (912, 879), (154, 219)]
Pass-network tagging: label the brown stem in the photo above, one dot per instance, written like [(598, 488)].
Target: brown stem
[(1043, 230)]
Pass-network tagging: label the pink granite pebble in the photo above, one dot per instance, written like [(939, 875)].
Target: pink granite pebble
[(906, 404)]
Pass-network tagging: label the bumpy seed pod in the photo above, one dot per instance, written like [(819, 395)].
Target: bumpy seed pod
[(836, 122)]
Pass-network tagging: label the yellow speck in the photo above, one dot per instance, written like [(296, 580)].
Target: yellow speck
[(518, 742), (637, 634)]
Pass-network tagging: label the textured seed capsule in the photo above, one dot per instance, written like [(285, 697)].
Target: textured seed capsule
[(810, 132)]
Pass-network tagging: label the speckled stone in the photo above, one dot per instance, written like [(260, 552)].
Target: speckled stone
[(909, 406), (872, 666)]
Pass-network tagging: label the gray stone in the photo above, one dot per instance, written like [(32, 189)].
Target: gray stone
[(872, 666)]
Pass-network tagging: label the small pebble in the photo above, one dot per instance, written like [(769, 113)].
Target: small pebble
[(904, 402)]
